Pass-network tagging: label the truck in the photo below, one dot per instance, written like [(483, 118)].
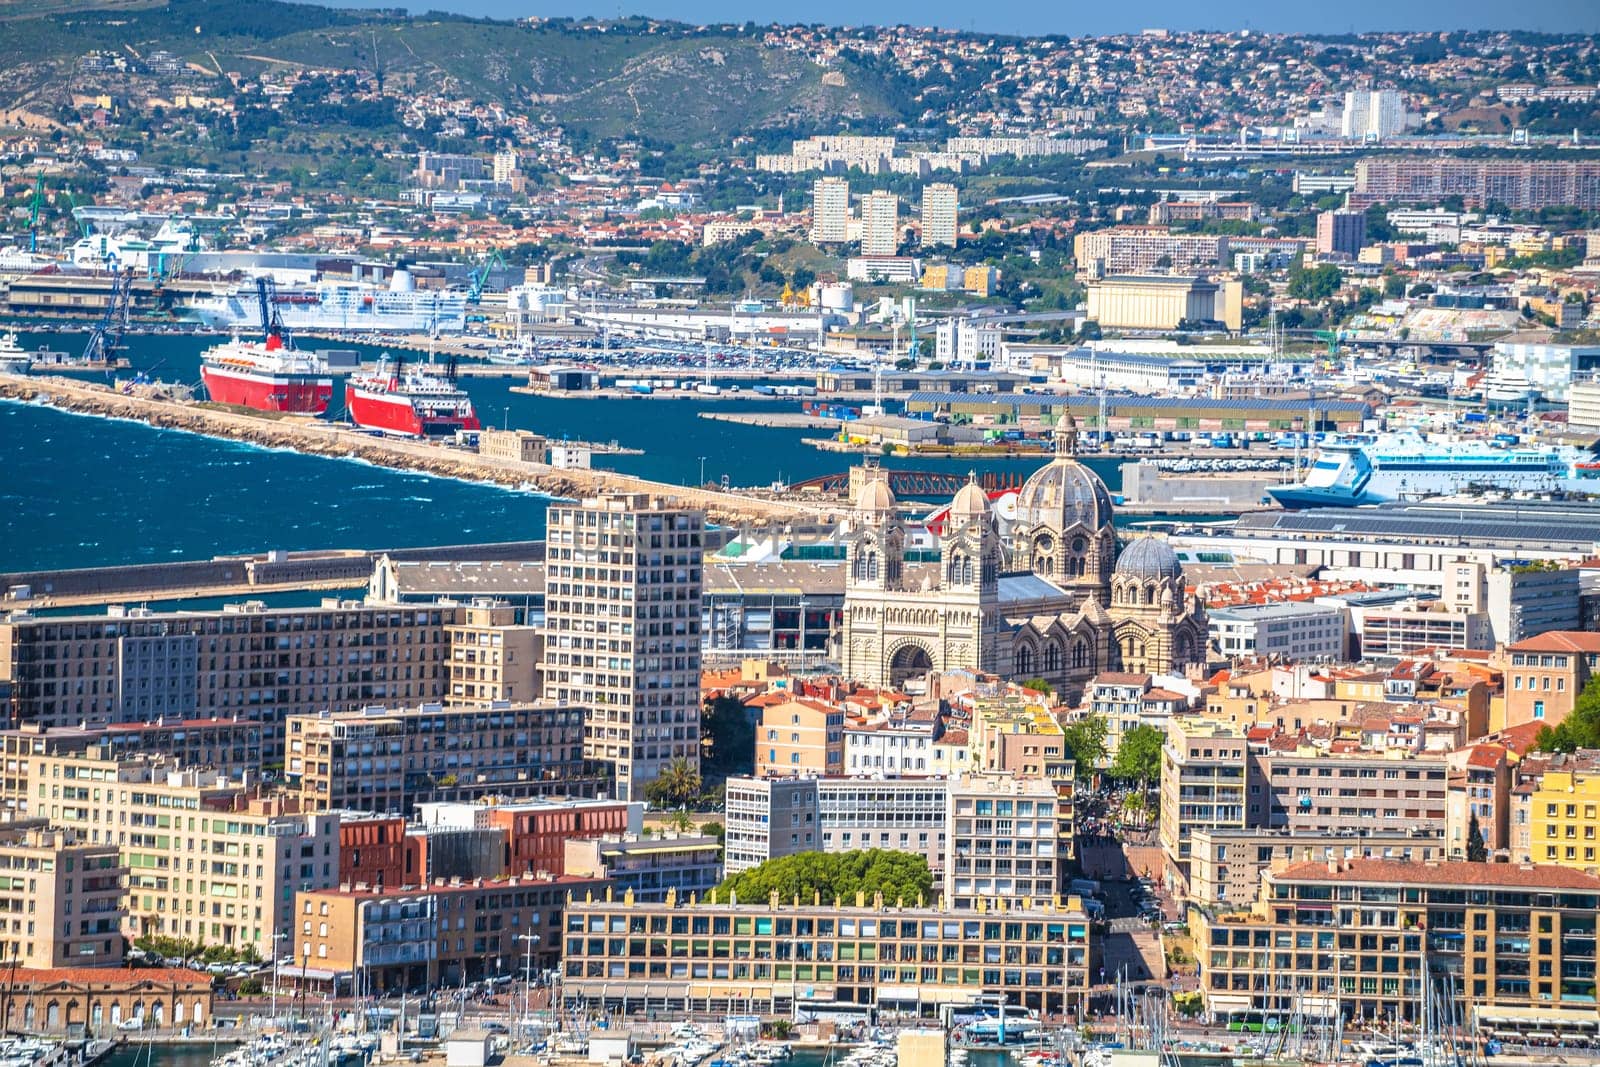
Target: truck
[(705, 389)]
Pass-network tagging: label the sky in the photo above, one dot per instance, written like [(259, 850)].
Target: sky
[(1075, 17)]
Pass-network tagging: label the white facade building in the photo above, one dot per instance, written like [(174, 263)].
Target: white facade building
[(1372, 115), (1292, 632), (830, 211), (880, 223), (940, 207)]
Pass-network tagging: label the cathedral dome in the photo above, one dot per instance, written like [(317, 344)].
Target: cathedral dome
[(1064, 493), (1149, 558), (876, 497), (970, 502)]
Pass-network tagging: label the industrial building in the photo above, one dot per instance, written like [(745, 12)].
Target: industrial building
[(1164, 302)]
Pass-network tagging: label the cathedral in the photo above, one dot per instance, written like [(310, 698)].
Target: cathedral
[(1054, 601)]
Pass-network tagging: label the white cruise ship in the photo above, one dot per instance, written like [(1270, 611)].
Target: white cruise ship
[(340, 307), (1408, 466)]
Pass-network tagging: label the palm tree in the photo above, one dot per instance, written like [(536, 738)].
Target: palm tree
[(678, 783)]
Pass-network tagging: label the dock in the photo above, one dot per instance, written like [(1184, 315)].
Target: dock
[(314, 437), (775, 420)]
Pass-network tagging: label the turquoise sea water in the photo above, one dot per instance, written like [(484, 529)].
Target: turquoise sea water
[(84, 491)]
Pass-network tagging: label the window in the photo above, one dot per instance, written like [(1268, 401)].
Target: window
[(1538, 709)]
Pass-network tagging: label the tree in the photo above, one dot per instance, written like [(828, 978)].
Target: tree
[(1477, 851), (1139, 756), (1316, 284), (727, 739), (1085, 740), (1036, 685), (678, 783), (839, 875), (1581, 727)]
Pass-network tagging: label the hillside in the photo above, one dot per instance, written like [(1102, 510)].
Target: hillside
[(635, 77)]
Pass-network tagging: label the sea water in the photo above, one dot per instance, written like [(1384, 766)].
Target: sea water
[(83, 491)]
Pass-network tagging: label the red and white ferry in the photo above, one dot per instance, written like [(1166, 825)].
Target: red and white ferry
[(410, 402), (266, 376)]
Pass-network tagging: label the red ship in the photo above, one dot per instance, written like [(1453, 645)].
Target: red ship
[(408, 402), (267, 377)]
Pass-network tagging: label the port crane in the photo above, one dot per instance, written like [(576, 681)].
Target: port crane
[(271, 321), (33, 217), (105, 337)]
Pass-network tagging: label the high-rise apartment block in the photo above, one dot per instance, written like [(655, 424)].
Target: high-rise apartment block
[(830, 211), (1519, 184), (1372, 115), (1341, 232), (880, 223), (939, 209), (1002, 834), (622, 630)]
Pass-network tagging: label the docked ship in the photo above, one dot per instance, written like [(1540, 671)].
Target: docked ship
[(342, 307), (13, 360), (409, 402), (267, 376), (1355, 470)]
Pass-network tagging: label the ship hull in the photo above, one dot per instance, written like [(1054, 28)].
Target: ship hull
[(406, 416), (295, 393)]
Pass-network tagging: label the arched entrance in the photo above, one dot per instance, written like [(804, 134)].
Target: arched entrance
[(909, 661)]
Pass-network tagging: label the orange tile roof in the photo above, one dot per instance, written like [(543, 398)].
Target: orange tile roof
[(1560, 641), (110, 976), (1397, 872)]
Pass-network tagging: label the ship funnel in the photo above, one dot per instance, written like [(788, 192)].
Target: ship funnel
[(402, 281)]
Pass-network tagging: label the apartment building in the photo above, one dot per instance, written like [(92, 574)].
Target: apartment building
[(493, 658), (372, 850), (1521, 185), (1412, 626), (830, 211), (1003, 840), (773, 958), (61, 898), (244, 661), (1226, 865), (1564, 817), (770, 818), (939, 215), (209, 858), (364, 941), (906, 814), (1204, 783), (902, 745), (1478, 790), (766, 818), (390, 760), (622, 630), (1147, 250), (1545, 674), (1290, 632), (1310, 789), (1341, 233), (880, 223), (648, 867), (800, 737), (535, 832), (230, 746), (1373, 939)]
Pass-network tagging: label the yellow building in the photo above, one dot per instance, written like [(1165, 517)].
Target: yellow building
[(1563, 814), (209, 859), (60, 899), (800, 737), (492, 658)]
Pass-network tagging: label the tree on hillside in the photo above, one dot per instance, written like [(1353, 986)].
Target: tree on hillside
[(1581, 727), (1316, 284), (678, 783), (897, 875)]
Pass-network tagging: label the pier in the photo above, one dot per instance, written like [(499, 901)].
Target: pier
[(319, 438)]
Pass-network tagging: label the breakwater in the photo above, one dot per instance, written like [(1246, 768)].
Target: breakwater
[(318, 438)]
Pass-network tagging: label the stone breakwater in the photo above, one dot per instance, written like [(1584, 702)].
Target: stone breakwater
[(317, 438)]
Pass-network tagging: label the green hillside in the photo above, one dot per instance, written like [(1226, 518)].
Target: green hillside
[(633, 77)]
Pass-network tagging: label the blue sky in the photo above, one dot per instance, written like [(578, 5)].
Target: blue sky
[(1040, 17)]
